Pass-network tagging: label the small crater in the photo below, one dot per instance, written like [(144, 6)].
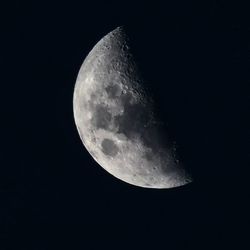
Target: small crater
[(125, 47), (109, 147)]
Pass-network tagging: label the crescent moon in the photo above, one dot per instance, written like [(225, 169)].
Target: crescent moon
[(115, 118)]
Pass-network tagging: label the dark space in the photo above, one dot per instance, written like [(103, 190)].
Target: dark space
[(53, 195)]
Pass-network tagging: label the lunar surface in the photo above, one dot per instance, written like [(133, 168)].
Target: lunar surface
[(116, 121)]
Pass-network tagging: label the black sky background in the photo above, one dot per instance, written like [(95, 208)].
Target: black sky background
[(53, 194)]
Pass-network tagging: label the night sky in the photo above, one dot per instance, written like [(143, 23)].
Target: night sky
[(53, 195)]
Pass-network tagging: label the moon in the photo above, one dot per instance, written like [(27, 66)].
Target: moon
[(114, 115)]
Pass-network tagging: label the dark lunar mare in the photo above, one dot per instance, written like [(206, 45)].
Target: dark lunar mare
[(101, 117), (109, 147), (136, 122)]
